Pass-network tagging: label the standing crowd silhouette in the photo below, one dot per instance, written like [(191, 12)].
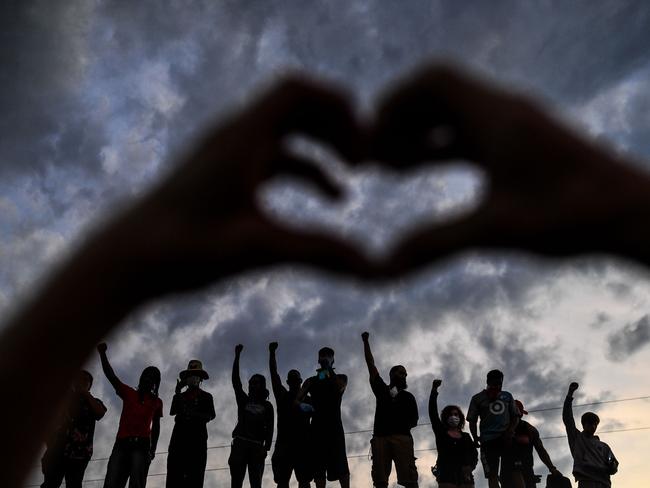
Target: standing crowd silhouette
[(310, 442), (548, 191)]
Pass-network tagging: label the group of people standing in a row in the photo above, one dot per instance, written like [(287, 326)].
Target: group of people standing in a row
[(310, 441)]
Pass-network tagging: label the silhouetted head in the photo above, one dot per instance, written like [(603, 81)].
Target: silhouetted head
[(452, 416), (294, 380), (257, 387), (82, 381), (397, 377), (149, 380), (589, 421), (494, 383), (326, 357)]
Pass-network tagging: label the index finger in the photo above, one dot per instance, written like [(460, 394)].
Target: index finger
[(298, 105)]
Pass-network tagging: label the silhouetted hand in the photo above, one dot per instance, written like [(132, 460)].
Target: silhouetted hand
[(365, 336), (238, 349), (573, 387), (436, 384), (179, 385), (548, 190), (102, 348), (273, 346), (204, 221)]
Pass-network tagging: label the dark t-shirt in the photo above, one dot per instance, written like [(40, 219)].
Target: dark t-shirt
[(193, 409), (254, 419), (396, 415), (293, 423), (326, 395), (137, 416)]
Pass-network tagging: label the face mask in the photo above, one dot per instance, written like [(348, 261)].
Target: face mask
[(393, 392), (193, 381), (453, 421)]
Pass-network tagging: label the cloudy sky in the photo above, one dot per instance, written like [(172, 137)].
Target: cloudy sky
[(99, 96)]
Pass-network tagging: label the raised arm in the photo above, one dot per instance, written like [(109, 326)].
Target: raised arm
[(96, 405), (106, 366), (434, 418), (236, 380), (276, 382), (370, 360), (567, 415)]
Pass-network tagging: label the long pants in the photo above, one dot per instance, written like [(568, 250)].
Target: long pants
[(387, 449), (127, 463), (57, 467), (246, 455), (186, 466)]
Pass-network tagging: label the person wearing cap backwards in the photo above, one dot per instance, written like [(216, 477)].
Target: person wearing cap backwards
[(139, 429), (253, 433), (525, 438), (71, 446), (329, 458), (396, 413), (291, 453), (499, 417), (192, 410), (593, 460)]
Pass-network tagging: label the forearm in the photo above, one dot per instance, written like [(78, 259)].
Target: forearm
[(155, 434), (544, 457), (367, 352), (236, 380), (66, 307), (474, 431), (434, 417)]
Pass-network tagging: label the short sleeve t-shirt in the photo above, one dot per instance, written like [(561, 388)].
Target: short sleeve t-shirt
[(254, 419), (495, 414), (393, 415), (137, 415)]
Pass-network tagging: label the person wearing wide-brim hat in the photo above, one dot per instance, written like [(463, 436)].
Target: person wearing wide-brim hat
[(192, 409)]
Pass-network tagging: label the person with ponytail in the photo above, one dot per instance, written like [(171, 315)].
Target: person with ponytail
[(457, 456), (139, 429)]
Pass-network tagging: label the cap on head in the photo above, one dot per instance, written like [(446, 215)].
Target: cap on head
[(494, 377), (326, 351)]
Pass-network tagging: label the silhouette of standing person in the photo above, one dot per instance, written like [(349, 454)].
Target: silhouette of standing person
[(71, 445), (139, 429), (457, 456), (498, 414), (526, 437), (329, 457), (253, 433), (396, 413), (192, 410), (593, 460), (291, 453)]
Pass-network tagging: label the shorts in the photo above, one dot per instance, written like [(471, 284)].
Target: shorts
[(329, 455), (495, 452), (288, 458), (398, 449)]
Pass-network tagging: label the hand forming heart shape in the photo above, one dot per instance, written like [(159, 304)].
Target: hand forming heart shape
[(549, 191)]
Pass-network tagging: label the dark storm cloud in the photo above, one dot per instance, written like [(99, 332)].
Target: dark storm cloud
[(630, 339)]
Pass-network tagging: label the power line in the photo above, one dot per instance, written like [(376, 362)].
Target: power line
[(356, 456), (364, 431)]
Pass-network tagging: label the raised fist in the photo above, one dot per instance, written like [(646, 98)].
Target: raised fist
[(573, 387), (436, 384), (102, 347), (365, 336), (273, 346), (239, 348)]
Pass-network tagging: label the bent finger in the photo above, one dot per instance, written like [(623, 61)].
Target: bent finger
[(298, 105), (307, 171)]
